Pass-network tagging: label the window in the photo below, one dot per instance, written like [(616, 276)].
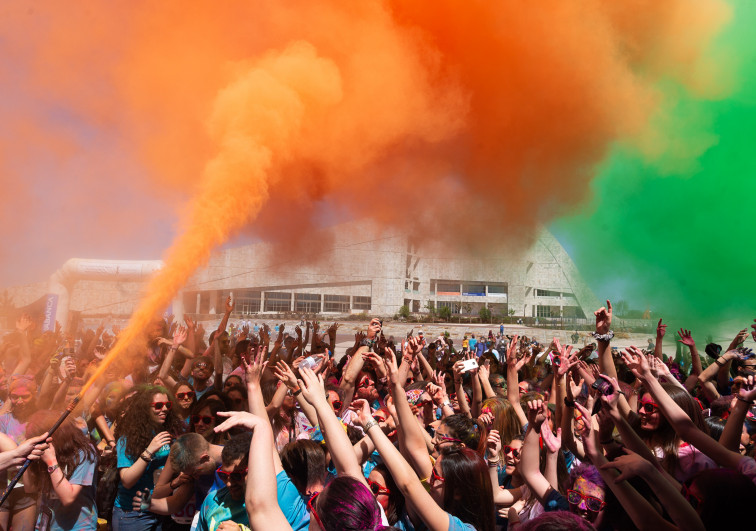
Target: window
[(547, 311), (447, 288), (547, 293), (453, 306), (476, 290), (497, 290), (336, 303), (248, 302), (362, 303), (277, 302), (307, 302)]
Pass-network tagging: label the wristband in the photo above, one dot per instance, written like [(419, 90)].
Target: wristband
[(53, 468), (445, 403), (147, 460), (492, 462), (297, 392), (749, 402), (720, 364), (603, 337), (149, 453), (369, 424)]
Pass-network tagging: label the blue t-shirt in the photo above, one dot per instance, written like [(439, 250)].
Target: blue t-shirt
[(124, 499), (219, 507), (455, 524), (291, 503), (81, 515)]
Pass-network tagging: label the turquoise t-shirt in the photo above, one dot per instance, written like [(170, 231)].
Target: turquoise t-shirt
[(291, 503), (82, 514), (124, 499), (219, 507)]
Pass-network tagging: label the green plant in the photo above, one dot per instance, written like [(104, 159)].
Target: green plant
[(404, 311), (485, 315), (444, 312)]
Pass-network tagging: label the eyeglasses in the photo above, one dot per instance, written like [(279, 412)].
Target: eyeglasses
[(377, 488), (311, 508), (435, 476), (197, 419), (160, 405), (336, 405), (201, 365), (592, 503), (364, 383), (186, 396), (236, 475), (649, 407), (509, 450)]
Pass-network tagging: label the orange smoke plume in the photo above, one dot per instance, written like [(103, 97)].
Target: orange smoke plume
[(468, 121)]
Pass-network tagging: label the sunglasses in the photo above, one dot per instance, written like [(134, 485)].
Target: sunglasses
[(311, 508), (337, 405), (197, 419), (435, 476), (377, 488), (446, 438), (158, 406), (592, 503), (186, 396), (364, 383), (649, 407), (236, 475), (201, 365), (509, 450)]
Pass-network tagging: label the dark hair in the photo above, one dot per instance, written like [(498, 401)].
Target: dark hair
[(135, 423), (72, 447), (716, 426), (236, 448), (396, 500), (237, 377), (468, 430), (468, 493), (557, 521), (346, 504), (304, 462), (726, 497)]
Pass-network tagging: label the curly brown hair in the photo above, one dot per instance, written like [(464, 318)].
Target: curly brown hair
[(72, 447), (135, 423)]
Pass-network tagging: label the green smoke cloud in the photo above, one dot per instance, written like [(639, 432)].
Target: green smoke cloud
[(678, 234)]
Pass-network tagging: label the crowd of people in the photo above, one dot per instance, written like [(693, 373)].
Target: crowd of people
[(264, 429)]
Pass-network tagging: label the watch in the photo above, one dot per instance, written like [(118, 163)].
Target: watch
[(51, 469)]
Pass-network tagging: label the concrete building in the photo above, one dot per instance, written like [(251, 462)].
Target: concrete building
[(356, 269)]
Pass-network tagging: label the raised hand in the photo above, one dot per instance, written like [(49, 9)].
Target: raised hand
[(188, 320), (493, 445), (284, 373), (685, 338), (179, 336), (361, 407), (739, 339), (753, 332), (241, 419), (229, 305), (552, 442), (629, 465), (358, 337), (537, 413), (748, 390), (389, 362), (436, 392), (512, 351), (312, 386), (613, 399), (256, 366), (636, 362), (332, 332), (661, 329), (603, 318), (484, 371)]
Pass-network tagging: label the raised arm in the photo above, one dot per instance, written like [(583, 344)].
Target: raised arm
[(179, 336), (730, 438), (530, 460), (661, 330), (286, 375), (434, 517), (513, 380), (687, 339), (335, 437), (501, 496)]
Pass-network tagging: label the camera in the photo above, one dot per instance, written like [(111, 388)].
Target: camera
[(603, 386)]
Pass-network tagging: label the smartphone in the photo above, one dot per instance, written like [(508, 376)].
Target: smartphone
[(469, 365)]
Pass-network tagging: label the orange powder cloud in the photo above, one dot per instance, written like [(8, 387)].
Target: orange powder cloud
[(471, 121)]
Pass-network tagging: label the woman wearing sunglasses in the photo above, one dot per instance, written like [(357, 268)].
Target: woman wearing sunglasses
[(204, 419), (185, 400), (389, 497), (143, 432)]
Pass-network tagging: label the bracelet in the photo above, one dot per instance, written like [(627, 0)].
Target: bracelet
[(749, 402), (369, 424), (173, 348), (53, 468), (149, 453), (145, 459), (297, 392), (720, 364), (603, 337), (445, 403), (493, 463)]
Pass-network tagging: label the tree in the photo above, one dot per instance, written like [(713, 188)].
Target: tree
[(444, 312), (484, 314), (404, 311), (431, 307)]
